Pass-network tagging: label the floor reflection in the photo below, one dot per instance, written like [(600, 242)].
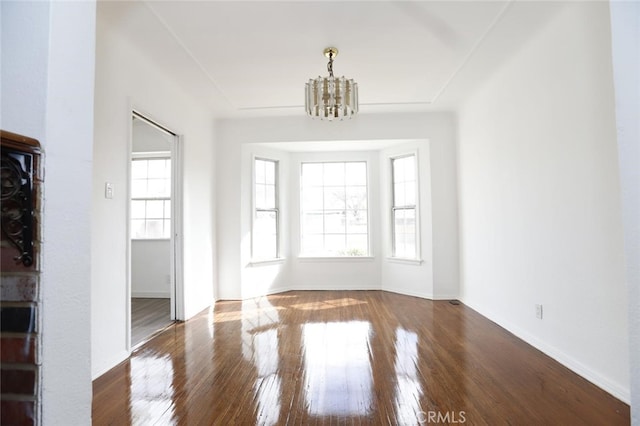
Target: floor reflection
[(408, 390), (152, 393), (260, 345), (338, 378)]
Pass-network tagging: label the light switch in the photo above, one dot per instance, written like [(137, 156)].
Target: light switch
[(108, 190)]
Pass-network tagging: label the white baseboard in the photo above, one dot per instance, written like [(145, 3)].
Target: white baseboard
[(151, 294), (406, 292), (615, 389), (446, 296), (334, 287)]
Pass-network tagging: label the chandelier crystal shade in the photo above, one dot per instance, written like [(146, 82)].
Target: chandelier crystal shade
[(331, 98)]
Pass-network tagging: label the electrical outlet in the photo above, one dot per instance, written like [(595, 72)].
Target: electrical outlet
[(539, 311), (108, 190)]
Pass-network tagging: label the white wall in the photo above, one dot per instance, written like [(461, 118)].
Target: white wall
[(147, 138), (47, 93), (625, 29), (233, 134), (540, 216), (126, 79), (150, 268)]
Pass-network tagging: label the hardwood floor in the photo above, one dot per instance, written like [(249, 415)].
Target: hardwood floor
[(147, 317), (345, 357)]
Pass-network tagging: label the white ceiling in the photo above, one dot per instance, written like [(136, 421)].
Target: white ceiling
[(252, 58)]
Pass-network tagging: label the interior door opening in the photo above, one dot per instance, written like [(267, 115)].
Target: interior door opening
[(152, 228)]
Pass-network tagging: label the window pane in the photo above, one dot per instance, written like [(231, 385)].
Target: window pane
[(270, 172), (265, 223), (312, 223), (410, 193), (410, 218), (409, 166), (138, 209), (357, 197), (139, 169), (357, 245), (154, 229), (357, 222), (356, 174), (167, 209), (158, 169), (398, 232), (335, 244), (404, 169), (139, 188), (410, 245), (167, 229), (138, 228), (312, 199), (265, 235), (312, 174), (334, 222), (155, 209), (334, 198), (270, 196), (261, 196), (398, 195), (158, 188), (398, 172), (334, 174), (405, 233)]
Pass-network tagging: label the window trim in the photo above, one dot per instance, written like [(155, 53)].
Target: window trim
[(254, 209), (153, 155), (416, 207), (315, 257)]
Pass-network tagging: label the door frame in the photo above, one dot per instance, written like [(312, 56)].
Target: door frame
[(176, 245)]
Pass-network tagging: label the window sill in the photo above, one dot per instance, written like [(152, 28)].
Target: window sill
[(336, 258), (150, 239), (405, 260), (267, 262)]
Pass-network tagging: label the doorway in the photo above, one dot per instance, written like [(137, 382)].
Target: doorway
[(154, 201)]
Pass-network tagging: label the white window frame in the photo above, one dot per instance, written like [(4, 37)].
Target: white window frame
[(157, 155), (415, 207), (368, 255), (255, 209)]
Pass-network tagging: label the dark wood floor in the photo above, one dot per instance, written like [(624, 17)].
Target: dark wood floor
[(345, 357), (147, 317)]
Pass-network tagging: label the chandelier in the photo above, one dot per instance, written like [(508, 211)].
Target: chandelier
[(330, 98)]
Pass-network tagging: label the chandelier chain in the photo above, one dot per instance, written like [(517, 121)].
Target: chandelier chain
[(330, 64)]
